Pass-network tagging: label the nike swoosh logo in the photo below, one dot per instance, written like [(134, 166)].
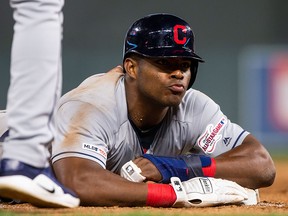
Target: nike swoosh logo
[(47, 189)]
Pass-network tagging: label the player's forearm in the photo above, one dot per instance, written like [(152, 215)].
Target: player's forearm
[(249, 164), (96, 186), (250, 174), (112, 192)]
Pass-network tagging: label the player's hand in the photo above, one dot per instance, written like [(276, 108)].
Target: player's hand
[(140, 170), (204, 191), (148, 169)]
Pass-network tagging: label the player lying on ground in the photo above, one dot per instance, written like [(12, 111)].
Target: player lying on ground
[(149, 113)]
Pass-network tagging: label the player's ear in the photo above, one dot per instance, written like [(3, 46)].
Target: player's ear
[(130, 66)]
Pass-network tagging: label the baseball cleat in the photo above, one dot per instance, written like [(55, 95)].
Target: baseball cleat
[(19, 181)]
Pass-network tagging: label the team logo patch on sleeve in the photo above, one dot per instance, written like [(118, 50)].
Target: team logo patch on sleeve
[(94, 148), (208, 140)]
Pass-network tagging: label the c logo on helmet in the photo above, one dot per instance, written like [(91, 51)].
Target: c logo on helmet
[(176, 30)]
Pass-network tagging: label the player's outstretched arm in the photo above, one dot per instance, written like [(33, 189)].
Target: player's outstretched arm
[(249, 164), (98, 187)]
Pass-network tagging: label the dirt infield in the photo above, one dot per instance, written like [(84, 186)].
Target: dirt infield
[(273, 201)]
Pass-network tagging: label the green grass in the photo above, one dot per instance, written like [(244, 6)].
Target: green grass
[(139, 213)]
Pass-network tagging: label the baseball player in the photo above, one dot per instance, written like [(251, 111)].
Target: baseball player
[(145, 123), (119, 131), (35, 86)]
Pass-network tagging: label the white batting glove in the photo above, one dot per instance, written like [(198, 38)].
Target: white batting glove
[(131, 172), (207, 191)]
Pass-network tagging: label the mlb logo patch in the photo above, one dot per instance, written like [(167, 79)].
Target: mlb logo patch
[(94, 148)]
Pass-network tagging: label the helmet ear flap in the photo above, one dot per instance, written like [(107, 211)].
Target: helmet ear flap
[(193, 69)]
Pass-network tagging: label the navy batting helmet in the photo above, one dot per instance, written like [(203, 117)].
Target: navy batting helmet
[(160, 36)]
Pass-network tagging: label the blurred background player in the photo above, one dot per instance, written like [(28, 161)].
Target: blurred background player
[(35, 86)]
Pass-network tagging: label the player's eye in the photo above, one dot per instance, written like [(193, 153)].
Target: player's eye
[(185, 66), (163, 62)]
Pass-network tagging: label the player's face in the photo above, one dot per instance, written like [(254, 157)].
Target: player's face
[(163, 80)]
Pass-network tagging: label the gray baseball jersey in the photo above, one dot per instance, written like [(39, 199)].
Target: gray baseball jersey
[(92, 122)]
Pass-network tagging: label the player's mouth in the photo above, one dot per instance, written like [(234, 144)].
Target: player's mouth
[(177, 88)]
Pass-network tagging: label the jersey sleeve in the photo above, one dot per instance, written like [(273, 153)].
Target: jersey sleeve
[(80, 133), (216, 133)]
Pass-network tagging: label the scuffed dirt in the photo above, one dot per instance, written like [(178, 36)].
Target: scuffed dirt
[(273, 200)]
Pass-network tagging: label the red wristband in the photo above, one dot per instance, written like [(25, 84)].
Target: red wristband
[(160, 195), (210, 171)]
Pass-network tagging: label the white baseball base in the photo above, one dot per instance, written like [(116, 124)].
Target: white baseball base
[(253, 197)]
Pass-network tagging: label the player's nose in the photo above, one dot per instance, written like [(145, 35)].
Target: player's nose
[(177, 74)]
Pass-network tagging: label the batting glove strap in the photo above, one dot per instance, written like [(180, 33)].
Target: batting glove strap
[(181, 194), (132, 172), (199, 165)]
